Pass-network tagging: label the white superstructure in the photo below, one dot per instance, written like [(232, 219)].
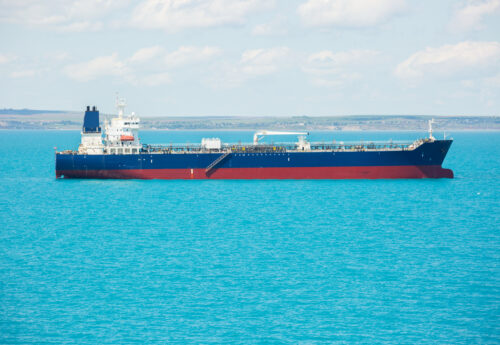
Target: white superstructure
[(121, 133), (91, 144)]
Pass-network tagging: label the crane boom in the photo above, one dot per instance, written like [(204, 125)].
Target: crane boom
[(261, 134)]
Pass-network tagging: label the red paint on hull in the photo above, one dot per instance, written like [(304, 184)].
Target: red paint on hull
[(369, 172)]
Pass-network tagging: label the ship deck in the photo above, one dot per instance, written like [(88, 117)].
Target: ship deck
[(281, 147)]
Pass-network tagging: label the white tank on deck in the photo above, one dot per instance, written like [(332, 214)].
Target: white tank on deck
[(211, 143)]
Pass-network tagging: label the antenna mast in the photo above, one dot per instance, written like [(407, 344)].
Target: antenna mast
[(120, 105), (430, 129)]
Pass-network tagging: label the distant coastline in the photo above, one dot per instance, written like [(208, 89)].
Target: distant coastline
[(68, 120)]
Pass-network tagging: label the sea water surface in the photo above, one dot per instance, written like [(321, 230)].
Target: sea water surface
[(279, 262)]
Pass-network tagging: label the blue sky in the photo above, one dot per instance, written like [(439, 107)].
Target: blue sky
[(253, 57)]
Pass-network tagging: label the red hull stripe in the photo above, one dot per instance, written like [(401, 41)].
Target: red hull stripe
[(369, 172)]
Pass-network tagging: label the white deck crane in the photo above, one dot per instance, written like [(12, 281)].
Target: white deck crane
[(261, 134)]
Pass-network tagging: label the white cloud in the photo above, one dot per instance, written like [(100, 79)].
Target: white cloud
[(174, 15), (95, 15), (151, 79), (5, 58), (252, 64), (159, 66), (135, 70), (23, 73), (470, 14), (276, 27), (77, 15), (31, 65), (95, 68), (146, 54), (57, 56), (263, 61), (335, 69), (493, 81), (465, 59), (328, 61), (156, 79), (190, 54), (81, 26), (349, 13)]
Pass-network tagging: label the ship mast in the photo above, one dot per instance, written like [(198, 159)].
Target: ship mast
[(120, 105), (430, 129)]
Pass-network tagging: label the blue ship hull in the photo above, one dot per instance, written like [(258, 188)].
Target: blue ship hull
[(421, 162)]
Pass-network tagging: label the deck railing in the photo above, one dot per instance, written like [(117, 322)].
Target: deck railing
[(279, 148), (285, 147)]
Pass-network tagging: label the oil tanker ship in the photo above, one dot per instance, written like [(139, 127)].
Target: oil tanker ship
[(118, 154)]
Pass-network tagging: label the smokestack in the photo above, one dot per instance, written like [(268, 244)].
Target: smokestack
[(91, 121)]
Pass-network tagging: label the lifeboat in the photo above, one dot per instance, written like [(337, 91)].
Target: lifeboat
[(127, 138)]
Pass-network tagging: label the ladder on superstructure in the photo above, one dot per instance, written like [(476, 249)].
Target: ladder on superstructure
[(216, 162)]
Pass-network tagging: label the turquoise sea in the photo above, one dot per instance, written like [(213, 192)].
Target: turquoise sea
[(260, 262)]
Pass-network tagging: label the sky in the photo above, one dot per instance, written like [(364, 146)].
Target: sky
[(252, 57)]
